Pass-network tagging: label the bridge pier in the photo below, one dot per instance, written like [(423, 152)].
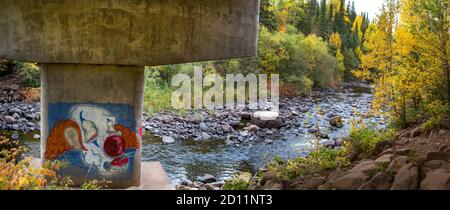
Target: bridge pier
[(92, 117), (92, 114)]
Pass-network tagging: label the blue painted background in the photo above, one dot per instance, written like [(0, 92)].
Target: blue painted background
[(60, 111)]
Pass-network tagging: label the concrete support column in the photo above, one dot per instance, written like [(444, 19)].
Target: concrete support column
[(92, 120)]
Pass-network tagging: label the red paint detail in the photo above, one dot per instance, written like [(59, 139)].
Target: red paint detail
[(141, 133), (114, 146), (119, 162)]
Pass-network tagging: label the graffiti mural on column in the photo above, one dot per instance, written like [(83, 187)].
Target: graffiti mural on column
[(96, 140)]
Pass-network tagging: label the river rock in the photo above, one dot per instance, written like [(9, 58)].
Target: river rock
[(404, 151), (268, 141), (438, 179), (337, 122), (36, 136), (381, 146), (166, 119), (9, 119), (227, 128), (16, 116), (15, 111), (210, 187), (246, 116), (15, 136), (217, 184), (252, 128), (407, 178), (183, 187), (205, 136), (203, 126), (168, 139), (267, 119), (186, 182), (324, 136), (208, 178), (329, 143)]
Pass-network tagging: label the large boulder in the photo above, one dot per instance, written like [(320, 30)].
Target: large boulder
[(272, 185), (315, 182), (366, 167), (267, 119), (351, 181), (407, 178), (384, 159), (438, 179), (381, 181), (437, 156), (432, 165), (334, 175), (396, 164)]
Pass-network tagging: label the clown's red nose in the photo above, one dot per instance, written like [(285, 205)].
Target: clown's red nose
[(114, 146)]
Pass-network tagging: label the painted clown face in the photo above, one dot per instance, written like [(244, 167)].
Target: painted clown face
[(97, 125)]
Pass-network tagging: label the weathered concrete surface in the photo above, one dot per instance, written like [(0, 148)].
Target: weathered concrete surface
[(127, 32), (153, 177), (84, 105)]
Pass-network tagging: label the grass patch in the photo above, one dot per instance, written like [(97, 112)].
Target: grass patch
[(320, 160)]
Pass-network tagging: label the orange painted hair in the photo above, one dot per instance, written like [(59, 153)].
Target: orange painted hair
[(129, 137), (57, 142)]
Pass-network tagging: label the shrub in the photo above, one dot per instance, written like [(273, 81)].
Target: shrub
[(436, 111), (318, 161), (157, 93), (10, 150), (29, 74), (239, 181), (95, 185), (365, 139)]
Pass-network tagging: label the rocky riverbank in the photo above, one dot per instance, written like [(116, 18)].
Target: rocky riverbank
[(296, 116), (415, 160), (19, 107)]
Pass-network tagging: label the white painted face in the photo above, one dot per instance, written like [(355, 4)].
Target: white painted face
[(95, 122)]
